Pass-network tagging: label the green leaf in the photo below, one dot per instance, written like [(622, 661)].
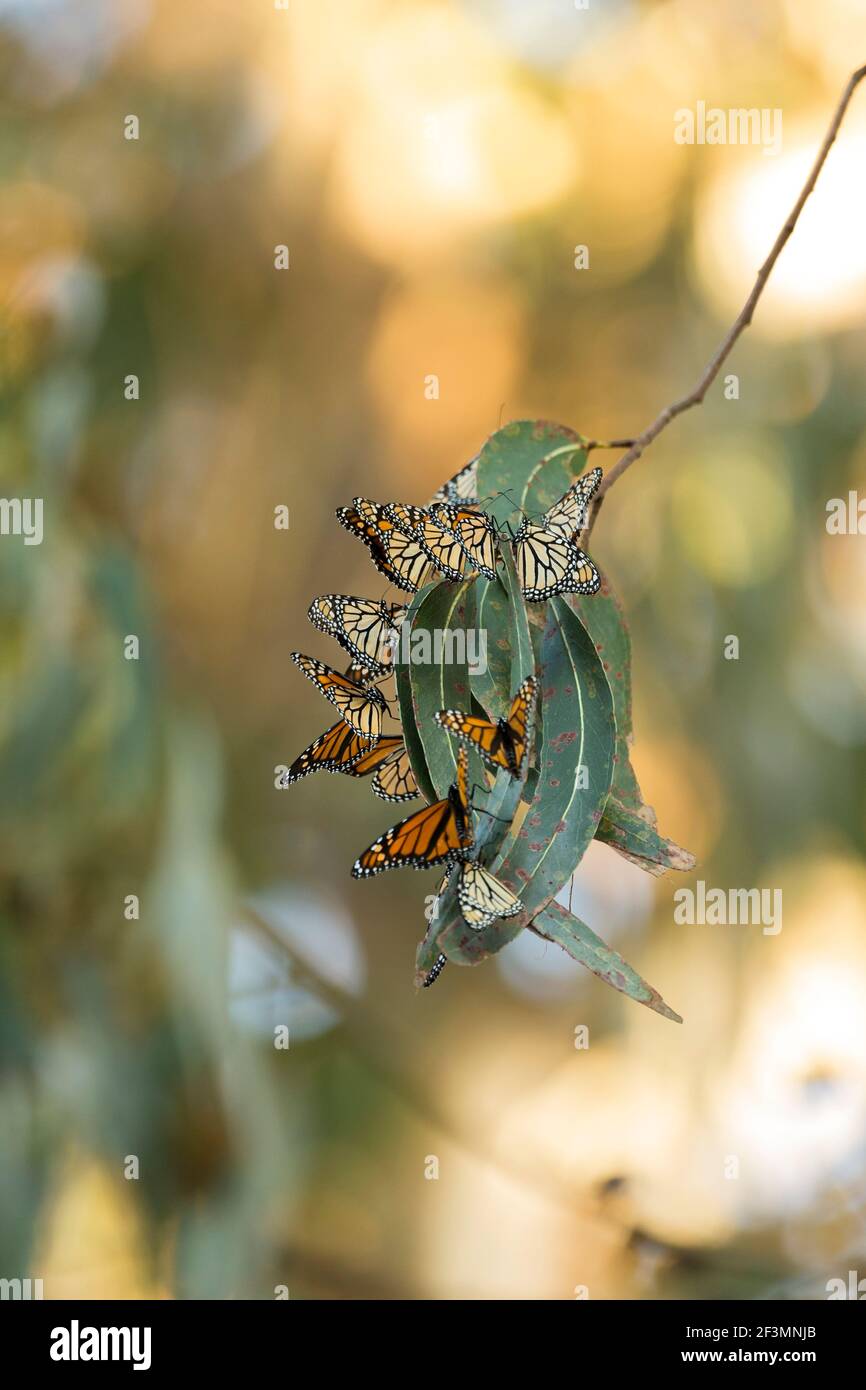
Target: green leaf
[(501, 804), (492, 687), (438, 680), (521, 466), (577, 738), (604, 621), (628, 825), (543, 847), (582, 783), (557, 924), (634, 834), (408, 715)]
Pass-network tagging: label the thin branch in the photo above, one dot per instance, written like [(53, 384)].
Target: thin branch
[(607, 444), (696, 396)]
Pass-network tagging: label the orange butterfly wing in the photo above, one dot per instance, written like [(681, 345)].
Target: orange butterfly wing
[(439, 832), (360, 705), (504, 743), (336, 750)]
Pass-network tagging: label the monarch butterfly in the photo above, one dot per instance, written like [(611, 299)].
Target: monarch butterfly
[(567, 517), (548, 560), (394, 779), (463, 487), (336, 750), (474, 530), (434, 536), (405, 516), (546, 566), (483, 898), (340, 749), (361, 675), (366, 628), (400, 557), (439, 833), (504, 743), (360, 705), (434, 531), (443, 547)]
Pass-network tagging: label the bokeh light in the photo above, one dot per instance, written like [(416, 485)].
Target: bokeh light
[(820, 283), (431, 166)]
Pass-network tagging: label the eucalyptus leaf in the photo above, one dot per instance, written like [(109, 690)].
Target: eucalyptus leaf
[(492, 686), (634, 834), (439, 674), (499, 807), (516, 473), (532, 833), (557, 924), (546, 842), (604, 621), (406, 701), (628, 825)]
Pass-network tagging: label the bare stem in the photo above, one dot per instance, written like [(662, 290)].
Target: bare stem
[(744, 318), (608, 444)]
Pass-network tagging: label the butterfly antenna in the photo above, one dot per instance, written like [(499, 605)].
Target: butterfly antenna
[(503, 492), (433, 975)]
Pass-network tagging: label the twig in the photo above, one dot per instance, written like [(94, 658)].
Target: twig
[(696, 396), (589, 444)]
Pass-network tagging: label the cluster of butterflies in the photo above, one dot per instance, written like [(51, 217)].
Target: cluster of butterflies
[(458, 540)]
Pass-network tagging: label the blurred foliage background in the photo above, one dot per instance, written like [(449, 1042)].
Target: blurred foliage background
[(431, 167)]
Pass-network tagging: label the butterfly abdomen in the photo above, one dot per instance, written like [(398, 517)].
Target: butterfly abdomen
[(461, 813), (506, 742), (433, 975)]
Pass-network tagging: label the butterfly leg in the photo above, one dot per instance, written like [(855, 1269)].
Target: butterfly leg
[(480, 809)]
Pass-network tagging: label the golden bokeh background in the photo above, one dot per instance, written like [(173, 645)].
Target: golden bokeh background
[(431, 168)]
